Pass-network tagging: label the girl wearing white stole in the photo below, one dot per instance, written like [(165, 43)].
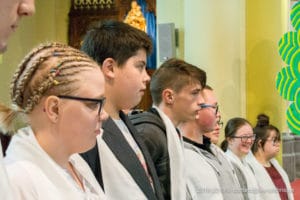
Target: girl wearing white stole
[(59, 91), (266, 168), (239, 138)]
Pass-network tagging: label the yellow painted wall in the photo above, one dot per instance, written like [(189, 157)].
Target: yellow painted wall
[(215, 41), (50, 23), (266, 22)]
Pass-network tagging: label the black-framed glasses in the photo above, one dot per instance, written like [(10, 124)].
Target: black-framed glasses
[(204, 105), (245, 138), (99, 102)]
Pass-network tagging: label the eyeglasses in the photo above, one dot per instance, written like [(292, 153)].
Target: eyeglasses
[(275, 140), (220, 123), (245, 138), (99, 102), (202, 106)]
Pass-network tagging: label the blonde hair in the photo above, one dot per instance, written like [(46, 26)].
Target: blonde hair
[(49, 69)]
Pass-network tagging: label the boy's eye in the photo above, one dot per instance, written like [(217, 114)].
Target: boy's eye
[(141, 66)]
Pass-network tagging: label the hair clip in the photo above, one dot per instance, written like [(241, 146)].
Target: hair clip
[(55, 53), (58, 65), (55, 82), (54, 72)]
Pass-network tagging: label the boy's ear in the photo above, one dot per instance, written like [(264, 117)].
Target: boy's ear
[(51, 108), (107, 68), (167, 96)]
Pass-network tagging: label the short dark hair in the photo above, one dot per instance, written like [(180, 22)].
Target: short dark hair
[(115, 39), (174, 74)]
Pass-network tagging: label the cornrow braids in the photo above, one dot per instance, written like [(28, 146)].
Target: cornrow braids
[(56, 77), (21, 67), (49, 69)]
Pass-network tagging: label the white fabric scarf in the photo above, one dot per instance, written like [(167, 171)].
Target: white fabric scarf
[(252, 186), (175, 149), (202, 181), (266, 185), (118, 183), (24, 147), (5, 191)]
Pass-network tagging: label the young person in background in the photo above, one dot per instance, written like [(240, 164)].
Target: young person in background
[(237, 144), (206, 161), (211, 98), (272, 180)]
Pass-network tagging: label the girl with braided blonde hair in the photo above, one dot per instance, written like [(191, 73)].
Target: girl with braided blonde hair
[(60, 91)]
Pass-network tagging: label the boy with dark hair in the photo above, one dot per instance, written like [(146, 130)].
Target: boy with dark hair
[(120, 160)]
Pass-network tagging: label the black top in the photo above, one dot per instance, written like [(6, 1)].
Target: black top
[(117, 143), (205, 146), (152, 129)]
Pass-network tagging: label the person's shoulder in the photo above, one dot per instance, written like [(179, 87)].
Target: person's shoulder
[(23, 174), (147, 119), (21, 167)]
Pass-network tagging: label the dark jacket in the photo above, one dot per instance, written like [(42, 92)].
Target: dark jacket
[(152, 129), (127, 157)]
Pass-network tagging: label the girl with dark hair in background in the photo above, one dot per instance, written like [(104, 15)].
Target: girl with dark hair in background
[(272, 179)]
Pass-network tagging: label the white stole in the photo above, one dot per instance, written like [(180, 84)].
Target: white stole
[(252, 185), (118, 183), (265, 183), (175, 149), (202, 181), (24, 148), (5, 190)]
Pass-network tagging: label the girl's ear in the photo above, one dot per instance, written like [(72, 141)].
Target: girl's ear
[(260, 143), (107, 68), (51, 108)]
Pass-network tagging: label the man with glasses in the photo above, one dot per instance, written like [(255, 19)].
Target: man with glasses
[(210, 175)]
